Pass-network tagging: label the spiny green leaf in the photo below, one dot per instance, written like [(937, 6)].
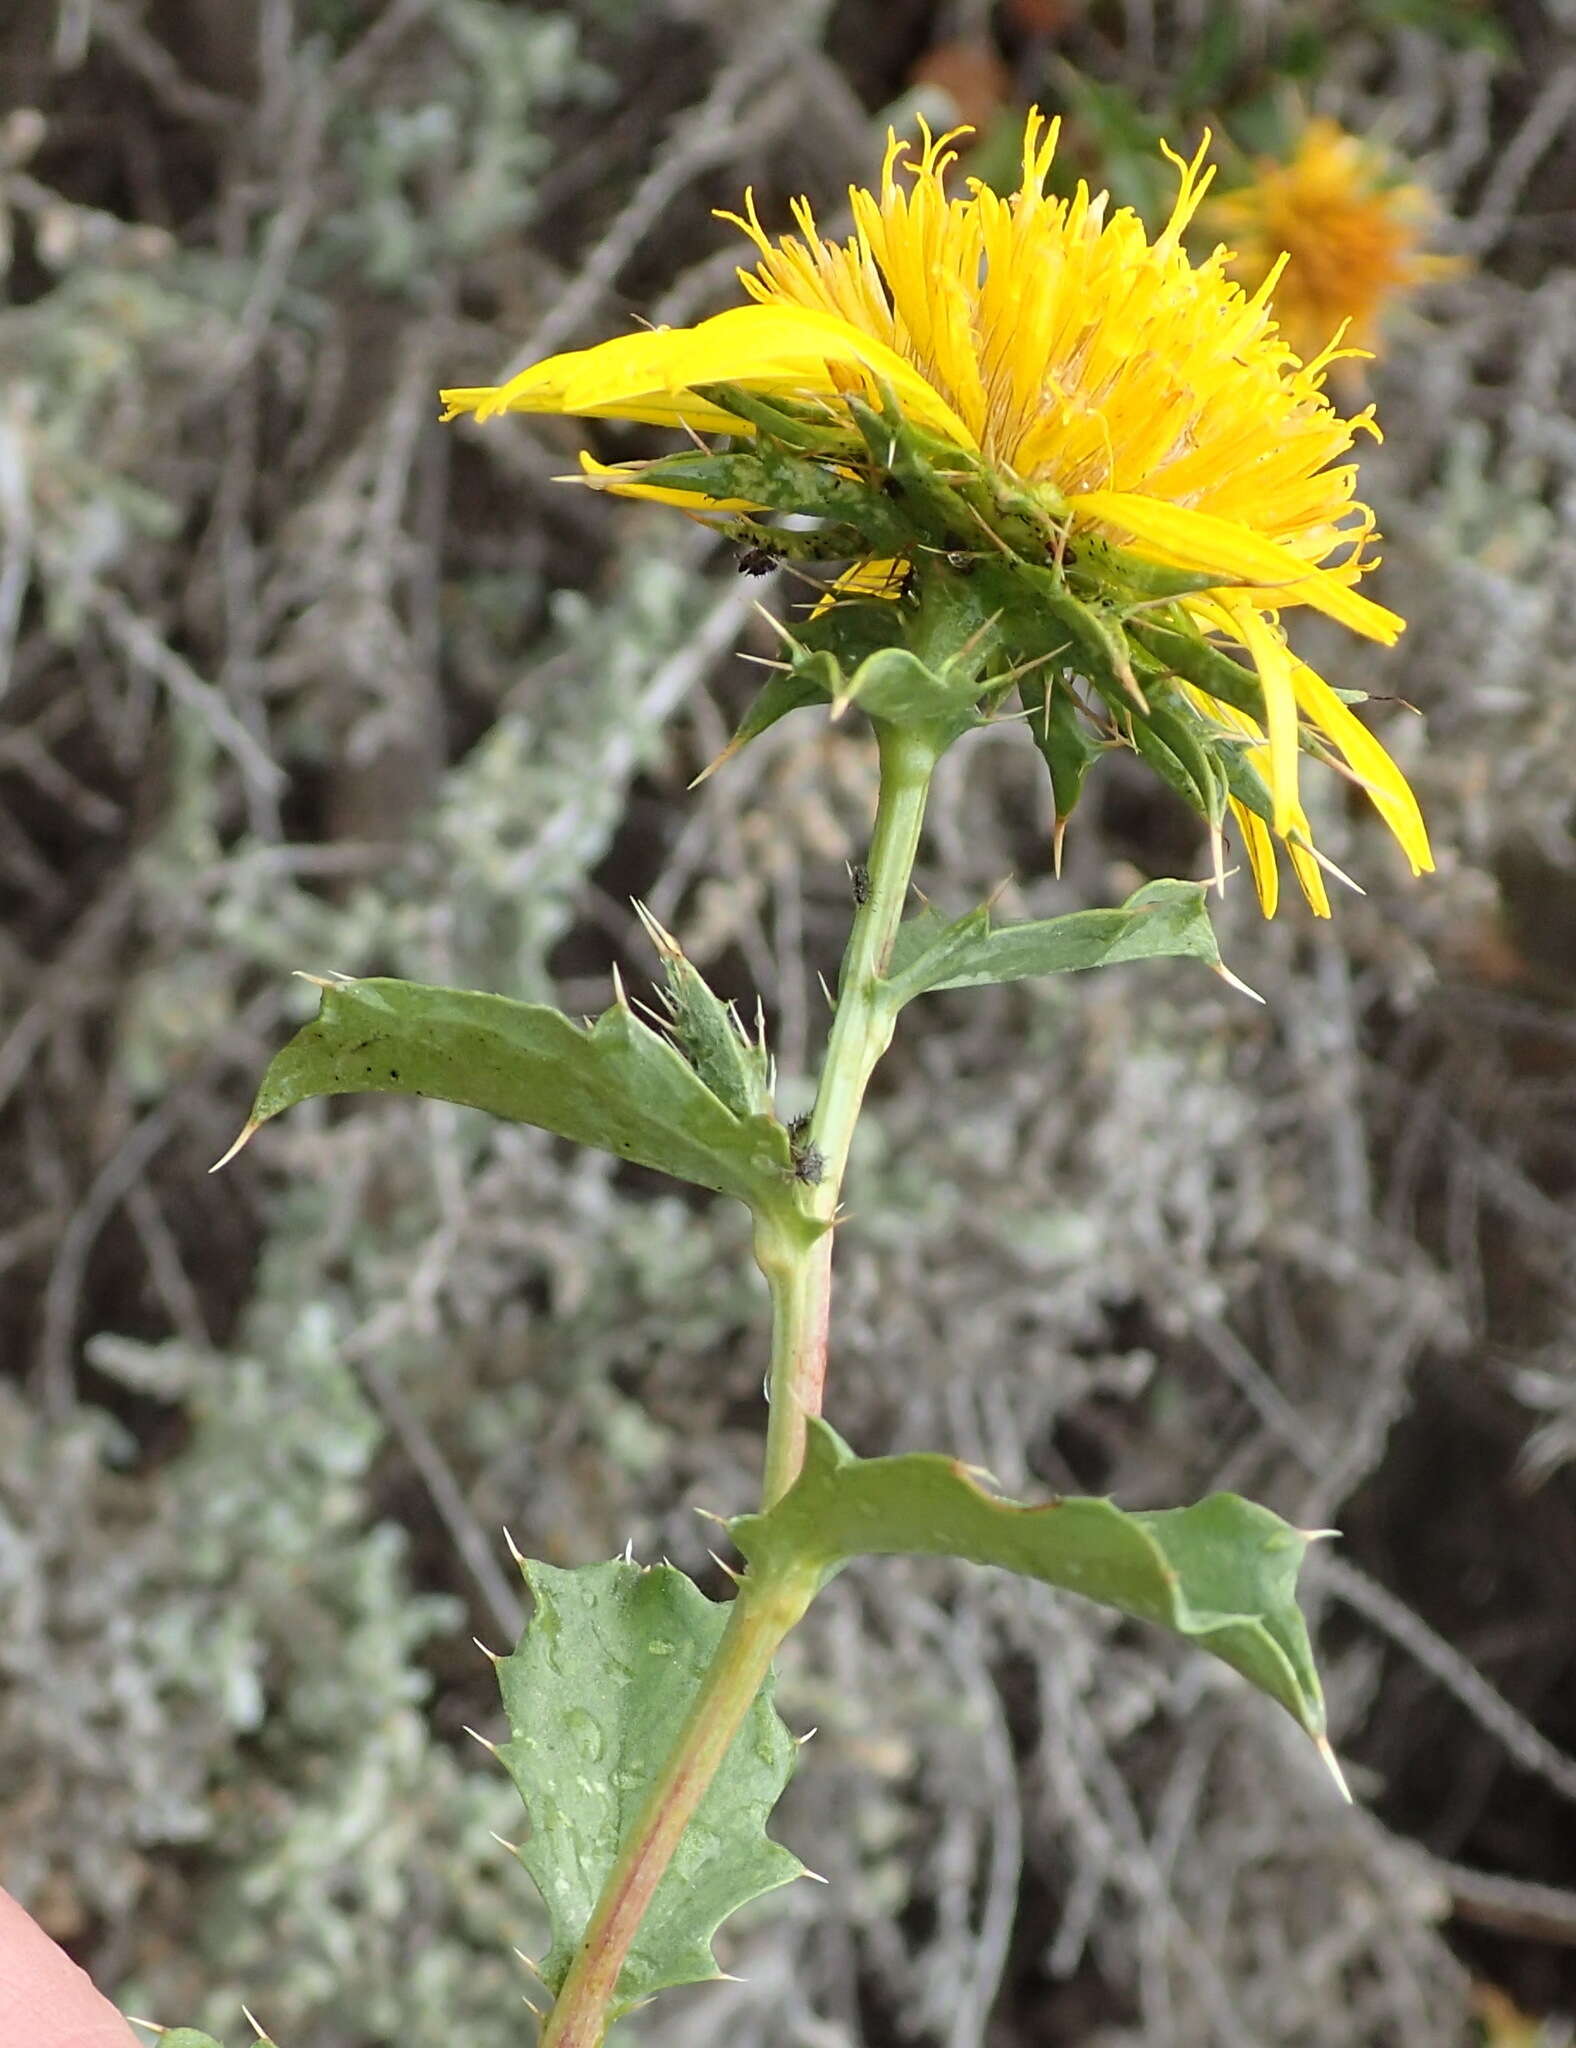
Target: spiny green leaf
[(1163, 920), (617, 1084), (1223, 1573), (595, 1694)]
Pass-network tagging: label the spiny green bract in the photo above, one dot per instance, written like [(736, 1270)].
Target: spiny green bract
[(736, 1068), (1093, 635)]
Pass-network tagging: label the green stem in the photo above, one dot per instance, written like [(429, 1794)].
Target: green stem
[(799, 1270), (799, 1274), (762, 1614), (795, 1253)]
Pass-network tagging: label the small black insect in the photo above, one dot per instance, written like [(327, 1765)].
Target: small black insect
[(961, 560), (859, 876), (797, 1127), (757, 560), (809, 1165)]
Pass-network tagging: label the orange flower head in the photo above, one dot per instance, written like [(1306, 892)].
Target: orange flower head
[(1350, 231)]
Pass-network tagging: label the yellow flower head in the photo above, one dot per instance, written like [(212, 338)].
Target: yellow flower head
[(1126, 393), (1349, 232)]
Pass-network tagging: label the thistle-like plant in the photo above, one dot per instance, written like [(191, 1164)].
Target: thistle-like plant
[(1066, 476)]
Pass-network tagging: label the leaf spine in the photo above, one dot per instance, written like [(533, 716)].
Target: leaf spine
[(249, 1130)]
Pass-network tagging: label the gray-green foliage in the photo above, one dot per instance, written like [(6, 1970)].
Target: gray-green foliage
[(249, 1605), (480, 144)]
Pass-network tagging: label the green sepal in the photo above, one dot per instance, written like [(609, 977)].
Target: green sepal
[(776, 480), (924, 477), (1245, 783), (1040, 616), (1061, 731), (616, 1084), (595, 1694), (916, 661), (1172, 772), (1223, 1574), (1227, 749), (895, 687), (819, 543), (1189, 655), (1102, 569), (848, 633), (736, 1068), (781, 420), (1175, 740), (1163, 920)]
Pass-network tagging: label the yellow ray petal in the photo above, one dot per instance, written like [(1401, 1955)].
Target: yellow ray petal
[(797, 350), (1272, 658), (1200, 540), (1261, 856), (1311, 876), (623, 479), (865, 579), (1386, 785), (654, 410)]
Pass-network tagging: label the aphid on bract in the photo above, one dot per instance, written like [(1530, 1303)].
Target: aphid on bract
[(758, 560), (859, 876), (798, 1129)]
